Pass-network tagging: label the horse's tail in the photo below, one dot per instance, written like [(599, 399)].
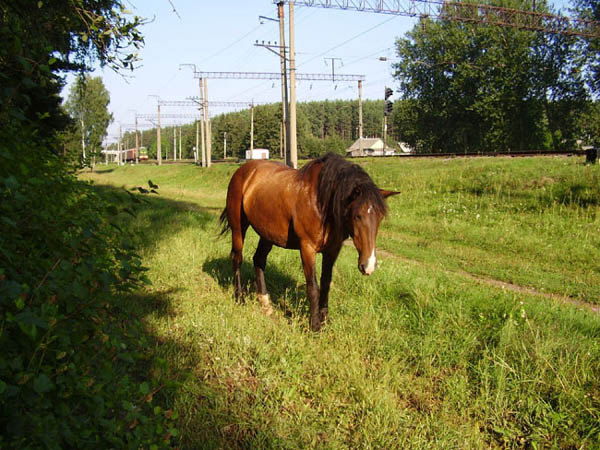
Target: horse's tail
[(224, 223)]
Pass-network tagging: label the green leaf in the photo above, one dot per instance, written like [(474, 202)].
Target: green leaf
[(2, 387), (42, 384), (40, 4)]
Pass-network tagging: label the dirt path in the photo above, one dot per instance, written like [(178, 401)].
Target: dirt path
[(497, 283)]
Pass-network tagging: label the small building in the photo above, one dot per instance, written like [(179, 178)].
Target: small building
[(257, 153), (370, 147)]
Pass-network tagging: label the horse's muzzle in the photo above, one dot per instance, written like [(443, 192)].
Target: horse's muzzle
[(369, 267)]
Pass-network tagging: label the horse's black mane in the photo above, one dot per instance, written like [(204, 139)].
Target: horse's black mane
[(341, 182)]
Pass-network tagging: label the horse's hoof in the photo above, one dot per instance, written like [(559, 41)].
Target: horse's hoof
[(265, 304), (315, 325), (324, 315)]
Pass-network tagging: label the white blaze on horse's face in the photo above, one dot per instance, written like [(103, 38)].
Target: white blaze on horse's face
[(365, 223)]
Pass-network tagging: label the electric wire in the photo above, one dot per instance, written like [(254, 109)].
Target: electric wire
[(348, 40)]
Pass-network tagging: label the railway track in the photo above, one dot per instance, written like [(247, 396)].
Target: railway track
[(416, 155)]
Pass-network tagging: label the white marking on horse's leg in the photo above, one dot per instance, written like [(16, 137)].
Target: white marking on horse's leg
[(265, 304), (371, 263)]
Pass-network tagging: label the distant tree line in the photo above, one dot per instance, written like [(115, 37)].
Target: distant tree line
[(322, 126)]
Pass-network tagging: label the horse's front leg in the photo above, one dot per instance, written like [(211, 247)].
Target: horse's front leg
[(309, 256), (329, 258), (260, 262)]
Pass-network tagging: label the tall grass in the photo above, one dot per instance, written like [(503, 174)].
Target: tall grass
[(415, 356)]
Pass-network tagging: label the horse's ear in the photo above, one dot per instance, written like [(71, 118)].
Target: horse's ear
[(386, 194)]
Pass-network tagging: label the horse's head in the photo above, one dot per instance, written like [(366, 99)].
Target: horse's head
[(365, 215)]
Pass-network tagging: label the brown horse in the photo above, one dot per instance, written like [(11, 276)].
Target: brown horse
[(313, 209)]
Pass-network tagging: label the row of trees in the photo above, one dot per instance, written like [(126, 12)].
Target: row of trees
[(322, 126), (488, 125), (480, 87)]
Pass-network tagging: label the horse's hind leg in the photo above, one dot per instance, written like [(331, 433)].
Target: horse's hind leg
[(239, 225), (260, 262)]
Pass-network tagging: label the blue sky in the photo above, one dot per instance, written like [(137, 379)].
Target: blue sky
[(220, 36)]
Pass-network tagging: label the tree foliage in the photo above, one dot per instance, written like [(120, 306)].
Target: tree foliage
[(488, 88), (68, 361), (589, 10), (87, 105), (322, 126)]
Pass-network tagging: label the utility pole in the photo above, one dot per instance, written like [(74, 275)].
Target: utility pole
[(180, 143), (251, 128), (360, 118), (83, 137), (158, 148), (333, 60), (293, 144), (207, 121), (384, 133), (202, 116), (203, 138), (137, 143), (196, 148), (119, 146), (388, 105), (224, 144), (284, 89), (174, 143)]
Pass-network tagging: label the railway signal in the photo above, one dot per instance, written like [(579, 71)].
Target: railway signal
[(388, 105)]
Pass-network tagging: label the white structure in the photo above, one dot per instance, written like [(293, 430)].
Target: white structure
[(404, 147), (370, 147), (257, 153)]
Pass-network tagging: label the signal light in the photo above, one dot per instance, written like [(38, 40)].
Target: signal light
[(387, 107), (388, 93)]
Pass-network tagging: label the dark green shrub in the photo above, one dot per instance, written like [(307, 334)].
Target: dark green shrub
[(69, 354)]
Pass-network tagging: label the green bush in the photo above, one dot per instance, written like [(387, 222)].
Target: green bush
[(68, 355)]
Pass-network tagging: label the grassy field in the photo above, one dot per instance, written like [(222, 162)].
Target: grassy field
[(429, 352)]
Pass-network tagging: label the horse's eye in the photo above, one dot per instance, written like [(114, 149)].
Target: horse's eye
[(358, 217)]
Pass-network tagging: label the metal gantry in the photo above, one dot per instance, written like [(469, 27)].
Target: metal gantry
[(465, 12), (277, 76), (151, 117), (196, 101)]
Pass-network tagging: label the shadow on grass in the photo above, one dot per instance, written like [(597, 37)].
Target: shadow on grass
[(284, 291), (166, 365), (103, 170), (150, 218)]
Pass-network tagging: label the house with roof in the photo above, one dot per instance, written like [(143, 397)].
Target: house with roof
[(369, 147)]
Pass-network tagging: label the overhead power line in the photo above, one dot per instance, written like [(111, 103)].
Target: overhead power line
[(466, 12)]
